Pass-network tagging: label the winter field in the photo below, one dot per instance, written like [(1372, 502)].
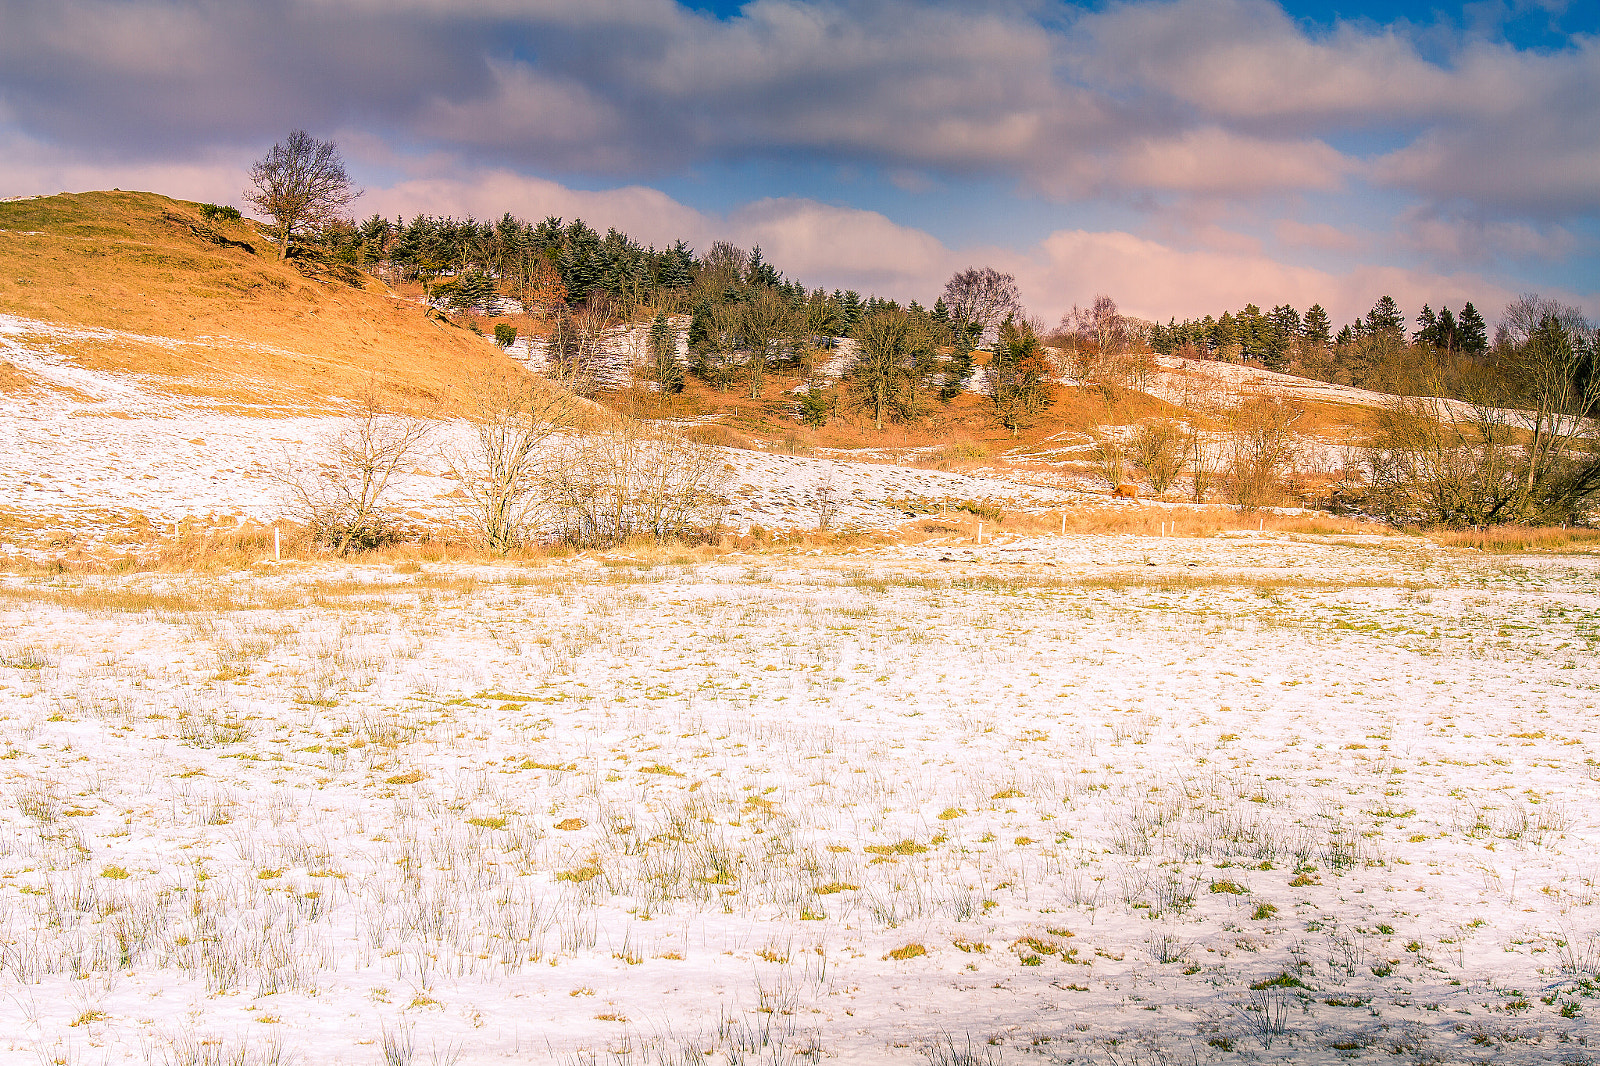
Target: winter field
[(1255, 798), (1097, 799)]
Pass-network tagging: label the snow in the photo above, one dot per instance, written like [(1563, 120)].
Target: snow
[(1050, 799), (116, 448), (1182, 768)]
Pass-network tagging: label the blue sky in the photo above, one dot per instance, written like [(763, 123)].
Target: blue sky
[(1184, 156)]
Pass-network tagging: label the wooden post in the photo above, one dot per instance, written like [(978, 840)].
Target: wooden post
[(980, 531), (277, 553)]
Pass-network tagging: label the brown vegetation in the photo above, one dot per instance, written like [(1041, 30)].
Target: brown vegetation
[(250, 327)]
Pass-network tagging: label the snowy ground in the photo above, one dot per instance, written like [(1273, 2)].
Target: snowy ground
[(1070, 799), (95, 459)]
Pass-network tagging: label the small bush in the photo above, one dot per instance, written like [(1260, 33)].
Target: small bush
[(505, 334), (213, 212)]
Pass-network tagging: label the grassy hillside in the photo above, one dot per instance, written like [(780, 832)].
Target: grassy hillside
[(247, 326)]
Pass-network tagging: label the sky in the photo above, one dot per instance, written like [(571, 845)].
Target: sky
[(1183, 156)]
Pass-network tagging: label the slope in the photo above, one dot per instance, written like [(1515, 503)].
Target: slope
[(139, 283)]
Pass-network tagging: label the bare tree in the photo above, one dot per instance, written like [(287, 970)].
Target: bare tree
[(1205, 462), (302, 184), (983, 297), (340, 494), (575, 351), (502, 471), (766, 325), (1105, 347), (1524, 449)]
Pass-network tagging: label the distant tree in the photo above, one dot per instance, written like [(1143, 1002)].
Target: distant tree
[(983, 297), (766, 323), (815, 407), (1015, 377), (895, 358), (1473, 331), (663, 368), (1427, 326), (1282, 336), (301, 184), (1385, 319)]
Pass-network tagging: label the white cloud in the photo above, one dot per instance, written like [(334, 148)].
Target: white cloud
[(1475, 240), (1292, 233)]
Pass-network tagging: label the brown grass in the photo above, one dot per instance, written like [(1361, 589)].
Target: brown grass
[(1520, 539), (251, 328), (1144, 521)]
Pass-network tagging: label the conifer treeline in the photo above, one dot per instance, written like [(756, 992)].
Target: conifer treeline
[(1282, 337)]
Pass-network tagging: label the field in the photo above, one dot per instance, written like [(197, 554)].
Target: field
[(1057, 799)]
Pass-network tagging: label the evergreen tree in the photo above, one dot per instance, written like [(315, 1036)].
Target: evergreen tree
[(1015, 376), (815, 408), (1252, 333), (1316, 328), (1473, 332), (1428, 327), (1447, 332), (664, 369), (700, 326), (675, 272), (1283, 336), (1385, 319), (1224, 335)]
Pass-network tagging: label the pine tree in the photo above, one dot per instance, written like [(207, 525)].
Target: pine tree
[(1447, 332), (700, 326), (1385, 318), (1316, 329), (1428, 333), (1473, 332), (664, 369), (1015, 376), (1224, 335)]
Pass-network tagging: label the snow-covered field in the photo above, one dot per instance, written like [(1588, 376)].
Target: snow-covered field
[(95, 460), (1063, 800)]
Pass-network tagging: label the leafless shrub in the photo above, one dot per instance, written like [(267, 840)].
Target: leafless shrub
[(1161, 449), (340, 494), (1265, 1014), (631, 480), (1110, 459), (502, 471), (1262, 446)]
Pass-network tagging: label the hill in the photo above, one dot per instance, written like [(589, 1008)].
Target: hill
[(139, 283)]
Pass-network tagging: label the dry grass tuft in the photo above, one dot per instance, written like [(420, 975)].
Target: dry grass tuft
[(1520, 539)]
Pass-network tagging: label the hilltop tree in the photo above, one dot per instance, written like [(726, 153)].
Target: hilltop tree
[(982, 298), (302, 184), (1474, 332)]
